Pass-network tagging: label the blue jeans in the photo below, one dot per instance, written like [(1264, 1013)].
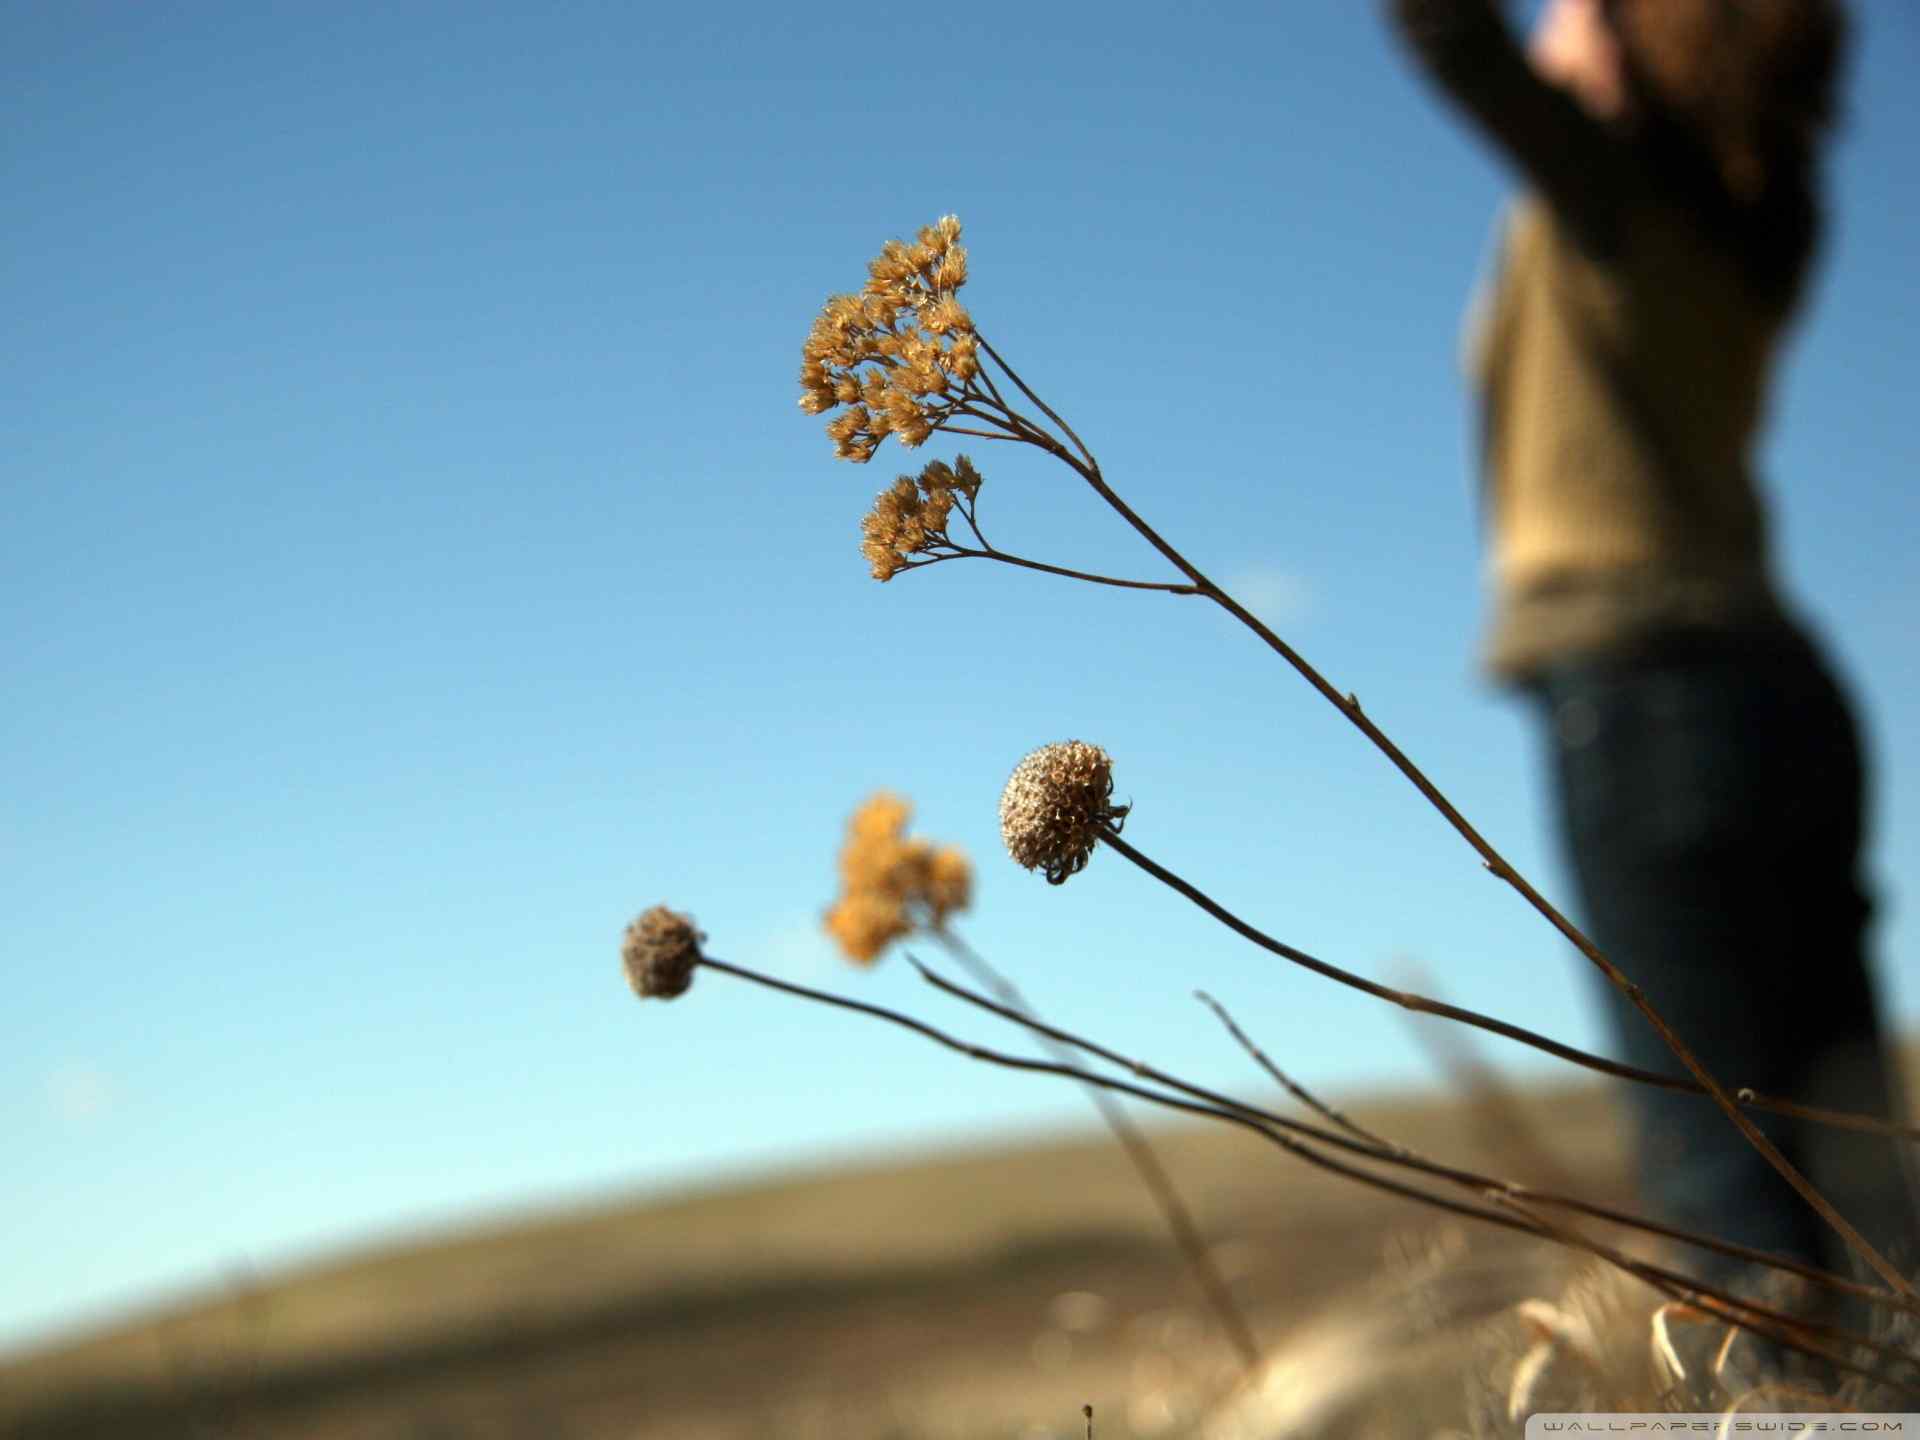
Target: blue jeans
[(1711, 797)]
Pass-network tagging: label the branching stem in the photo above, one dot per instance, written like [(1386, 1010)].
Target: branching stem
[(1786, 1330), (1425, 1005), (1375, 1148), (1348, 705), (991, 554), (1139, 1152)]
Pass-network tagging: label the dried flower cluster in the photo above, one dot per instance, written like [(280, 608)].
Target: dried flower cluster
[(890, 885), (898, 353), (659, 953), (1054, 806), (910, 516)]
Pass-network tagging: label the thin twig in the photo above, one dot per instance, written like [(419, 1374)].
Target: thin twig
[(986, 378), (1349, 706), (1245, 1117), (1045, 408), (1015, 425), (1426, 1005), (951, 551), (1497, 864), (1134, 1143), (1413, 1160), (1006, 559), (981, 434), (1518, 1199), (969, 511), (1290, 1085), (1490, 1102)]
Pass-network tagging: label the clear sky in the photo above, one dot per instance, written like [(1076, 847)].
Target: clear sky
[(414, 563)]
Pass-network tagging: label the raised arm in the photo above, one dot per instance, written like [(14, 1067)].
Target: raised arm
[(1584, 172)]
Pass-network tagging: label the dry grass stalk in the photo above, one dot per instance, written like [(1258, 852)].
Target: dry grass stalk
[(893, 888), (1501, 1206), (905, 358), (898, 348)]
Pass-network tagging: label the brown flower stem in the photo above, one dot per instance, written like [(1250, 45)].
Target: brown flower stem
[(1389, 1153), (980, 434), (1138, 1150), (1426, 1005), (963, 552), (1814, 1114), (1423, 1004), (969, 508), (1287, 1083), (1089, 470), (1406, 1000), (1490, 1100), (992, 554), (973, 524), (922, 562), (1045, 408), (1014, 426), (1790, 1332), (1497, 864), (986, 377)]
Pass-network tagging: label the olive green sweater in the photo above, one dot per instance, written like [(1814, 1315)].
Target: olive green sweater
[(1622, 353)]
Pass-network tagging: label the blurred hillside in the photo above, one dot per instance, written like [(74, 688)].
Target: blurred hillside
[(990, 1292)]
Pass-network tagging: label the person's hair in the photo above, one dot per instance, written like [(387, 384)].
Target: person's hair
[(1735, 99), (1754, 82)]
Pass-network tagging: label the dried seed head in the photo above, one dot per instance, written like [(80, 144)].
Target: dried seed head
[(949, 882), (910, 517), (891, 886), (897, 348), (865, 923), (659, 953), (1054, 806)]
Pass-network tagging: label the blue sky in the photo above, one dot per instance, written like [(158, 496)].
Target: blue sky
[(414, 564)]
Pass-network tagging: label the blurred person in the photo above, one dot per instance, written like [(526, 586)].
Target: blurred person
[(1706, 764)]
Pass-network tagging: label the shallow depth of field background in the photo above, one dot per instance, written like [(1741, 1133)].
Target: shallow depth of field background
[(415, 563)]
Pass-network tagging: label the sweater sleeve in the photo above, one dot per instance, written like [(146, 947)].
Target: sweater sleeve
[(1467, 49)]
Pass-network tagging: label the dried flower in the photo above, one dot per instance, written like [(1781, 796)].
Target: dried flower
[(891, 886), (1056, 802), (893, 353), (909, 517), (659, 953), (949, 882), (863, 925)]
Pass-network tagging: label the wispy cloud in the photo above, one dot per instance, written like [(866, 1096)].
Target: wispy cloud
[(79, 1092), (1277, 596)]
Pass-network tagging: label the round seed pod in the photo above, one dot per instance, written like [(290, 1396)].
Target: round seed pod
[(659, 952), (1055, 805)]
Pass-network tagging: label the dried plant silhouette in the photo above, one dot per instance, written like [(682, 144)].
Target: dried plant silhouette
[(904, 358), (893, 888)]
